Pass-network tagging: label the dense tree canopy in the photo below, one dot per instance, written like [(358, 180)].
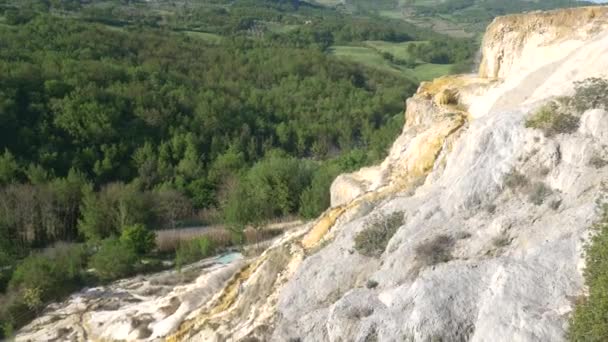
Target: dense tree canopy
[(161, 110)]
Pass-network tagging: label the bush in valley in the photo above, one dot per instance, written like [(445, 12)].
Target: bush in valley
[(139, 239), (551, 120), (377, 232), (39, 278), (115, 206), (37, 214), (14, 313), (193, 250), (444, 51), (113, 260), (316, 197), (388, 56), (271, 188), (54, 272), (589, 322), (435, 251), (9, 169)]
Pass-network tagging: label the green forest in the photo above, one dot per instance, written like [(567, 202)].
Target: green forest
[(119, 118)]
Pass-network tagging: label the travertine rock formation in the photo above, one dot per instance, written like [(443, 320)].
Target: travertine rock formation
[(515, 44)]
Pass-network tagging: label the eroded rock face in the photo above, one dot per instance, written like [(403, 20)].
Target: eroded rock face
[(430, 121), (515, 263), (510, 206), (516, 43)]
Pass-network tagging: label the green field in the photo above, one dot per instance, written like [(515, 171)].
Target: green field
[(370, 58), (427, 71), (278, 27), (208, 37), (369, 55), (393, 14), (398, 50)]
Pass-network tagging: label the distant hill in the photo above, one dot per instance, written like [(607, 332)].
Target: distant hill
[(459, 18)]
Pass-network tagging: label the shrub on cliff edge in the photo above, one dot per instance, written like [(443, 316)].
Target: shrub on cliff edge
[(372, 241), (552, 121), (589, 322)]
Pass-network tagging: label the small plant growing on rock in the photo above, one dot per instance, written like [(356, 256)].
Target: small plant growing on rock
[(597, 161), (538, 192), (491, 208), (372, 336), (555, 204), (371, 284), (501, 241), (551, 120), (514, 180), (378, 231), (463, 235), (435, 251), (544, 171)]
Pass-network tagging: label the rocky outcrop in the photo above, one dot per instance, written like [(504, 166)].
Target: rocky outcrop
[(494, 215), (516, 43), (433, 118)]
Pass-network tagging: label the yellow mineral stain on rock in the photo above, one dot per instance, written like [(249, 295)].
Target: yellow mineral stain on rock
[(425, 148), (438, 85), (322, 226), (420, 156), (227, 297)]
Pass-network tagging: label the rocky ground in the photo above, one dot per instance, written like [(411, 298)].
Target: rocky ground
[(139, 308)]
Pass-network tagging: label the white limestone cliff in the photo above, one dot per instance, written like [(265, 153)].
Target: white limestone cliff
[(515, 266)]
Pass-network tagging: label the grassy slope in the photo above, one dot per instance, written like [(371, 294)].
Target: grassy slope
[(369, 56), (398, 50)]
